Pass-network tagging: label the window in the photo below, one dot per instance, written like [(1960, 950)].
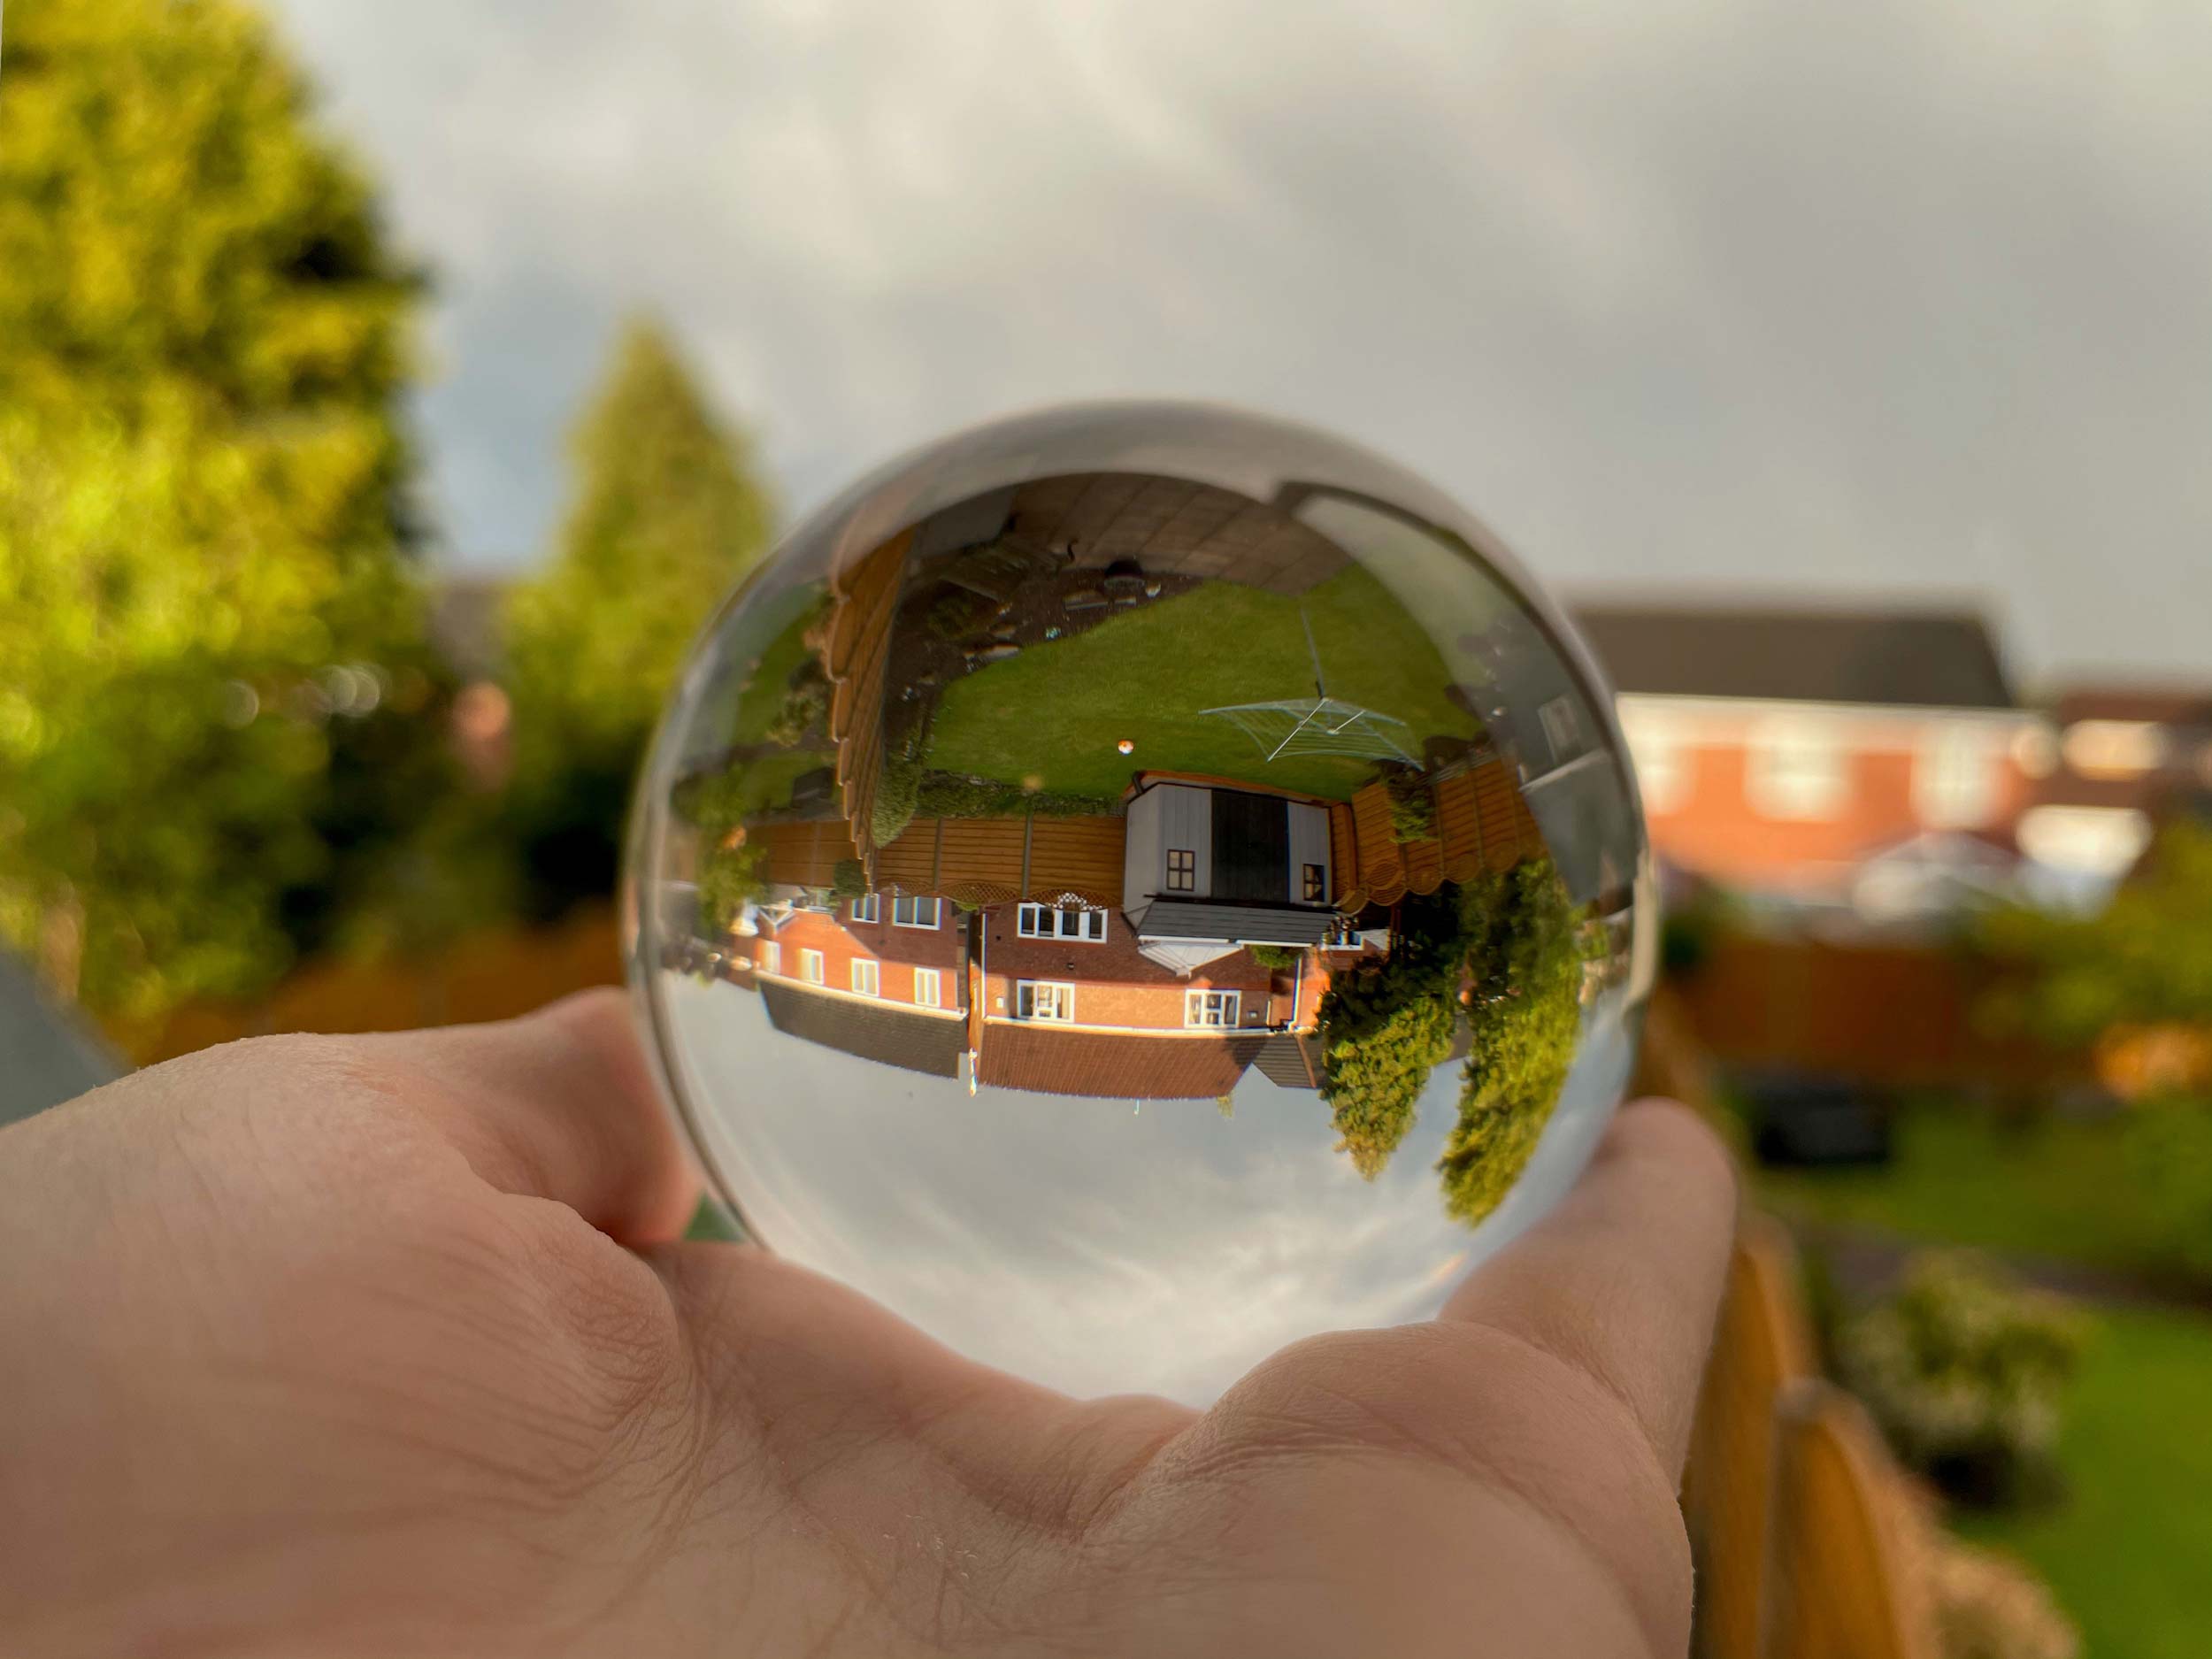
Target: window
[(1315, 888), (1955, 779), (811, 966), (1040, 999), (928, 988), (1562, 730), (1078, 922), (1662, 762), (909, 911), (868, 908), (772, 955), (1796, 769), (867, 980), (1182, 870), (1210, 1008)]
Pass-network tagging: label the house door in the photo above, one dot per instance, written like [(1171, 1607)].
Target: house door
[(1251, 848)]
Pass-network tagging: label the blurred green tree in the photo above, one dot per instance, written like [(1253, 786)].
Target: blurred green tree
[(668, 514), (1524, 955), (2145, 959), (203, 336), (1387, 1025)]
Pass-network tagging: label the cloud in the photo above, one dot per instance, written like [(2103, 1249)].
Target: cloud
[(1703, 291)]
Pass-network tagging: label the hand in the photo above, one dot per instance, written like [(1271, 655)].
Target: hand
[(383, 1345)]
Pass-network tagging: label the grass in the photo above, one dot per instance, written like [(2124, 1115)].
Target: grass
[(1055, 713), (2126, 1553), (787, 618), (2054, 1186)]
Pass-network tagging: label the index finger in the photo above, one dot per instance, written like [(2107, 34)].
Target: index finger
[(1623, 1279)]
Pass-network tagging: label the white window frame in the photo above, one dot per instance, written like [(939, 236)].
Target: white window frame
[(1073, 924), (1562, 729), (868, 908), (1663, 762), (1313, 883), (932, 980), (869, 969), (1213, 1010), (1797, 771), (1058, 994), (1955, 781), (1189, 884), (772, 955), (913, 903), (810, 965)]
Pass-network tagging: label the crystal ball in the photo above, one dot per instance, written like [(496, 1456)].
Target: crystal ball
[(1130, 887)]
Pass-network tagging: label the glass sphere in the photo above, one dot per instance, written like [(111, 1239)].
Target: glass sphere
[(1132, 886)]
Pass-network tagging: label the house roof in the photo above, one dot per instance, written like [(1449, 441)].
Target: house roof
[(1901, 658), (1247, 924), (1115, 1064), (882, 1032), (1291, 1061)]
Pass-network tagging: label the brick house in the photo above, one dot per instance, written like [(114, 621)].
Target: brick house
[(1785, 751), (2124, 758)]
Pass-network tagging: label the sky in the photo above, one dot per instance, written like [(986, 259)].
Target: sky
[(1092, 1245), (1687, 297)]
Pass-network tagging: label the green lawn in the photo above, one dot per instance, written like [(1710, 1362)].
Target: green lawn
[(1056, 712), (2057, 1187), (2128, 1551)]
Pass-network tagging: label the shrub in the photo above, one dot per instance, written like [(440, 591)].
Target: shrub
[(804, 705), (730, 877), (849, 879), (1966, 1374), (1412, 806), (1988, 1606), (898, 793), (1274, 958), (955, 795), (1387, 1025)]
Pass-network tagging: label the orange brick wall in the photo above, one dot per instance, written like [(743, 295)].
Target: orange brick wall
[(1713, 830), (899, 950), (1115, 984)]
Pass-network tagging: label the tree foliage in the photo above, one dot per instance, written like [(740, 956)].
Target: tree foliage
[(1524, 966), (1387, 1025), (203, 339), (2145, 959), (666, 517)]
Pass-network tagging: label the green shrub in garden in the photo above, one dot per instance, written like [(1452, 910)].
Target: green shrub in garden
[(1967, 1375), (2170, 1154)]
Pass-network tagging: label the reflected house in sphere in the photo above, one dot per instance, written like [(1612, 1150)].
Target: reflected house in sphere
[(1097, 929)]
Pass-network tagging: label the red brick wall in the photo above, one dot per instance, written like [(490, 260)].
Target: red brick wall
[(1114, 984), (899, 951), (1714, 830)]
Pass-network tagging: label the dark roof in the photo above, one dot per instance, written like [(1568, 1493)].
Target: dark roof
[(1247, 924), (1291, 1061), (883, 1031), (48, 1057), (1117, 1064), (1922, 659)]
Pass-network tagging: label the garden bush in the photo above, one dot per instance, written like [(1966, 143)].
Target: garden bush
[(898, 795), (955, 794), (1967, 1375), (1274, 958), (1412, 806), (2169, 1153)]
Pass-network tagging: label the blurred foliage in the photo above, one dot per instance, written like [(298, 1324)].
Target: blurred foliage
[(209, 641), (1967, 1374), (1525, 953), (2146, 958), (668, 517), (1989, 1606)]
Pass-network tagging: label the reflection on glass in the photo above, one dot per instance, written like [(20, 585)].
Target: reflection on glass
[(1136, 885)]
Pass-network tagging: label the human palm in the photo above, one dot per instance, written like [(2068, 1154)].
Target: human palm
[(387, 1346)]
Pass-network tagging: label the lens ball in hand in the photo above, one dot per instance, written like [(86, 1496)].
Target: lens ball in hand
[(1131, 886)]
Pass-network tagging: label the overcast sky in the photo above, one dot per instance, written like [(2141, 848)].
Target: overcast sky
[(1686, 295)]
